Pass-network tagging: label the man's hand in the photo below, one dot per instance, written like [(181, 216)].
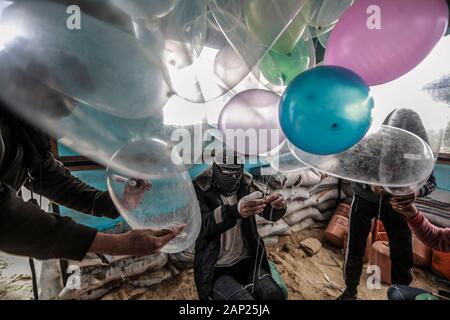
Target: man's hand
[(135, 242), (134, 191), (378, 190), (276, 201), (405, 205), (251, 208)]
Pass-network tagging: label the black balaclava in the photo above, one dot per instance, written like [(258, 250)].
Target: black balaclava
[(226, 174)]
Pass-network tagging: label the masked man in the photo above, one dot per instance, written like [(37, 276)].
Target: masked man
[(230, 258)]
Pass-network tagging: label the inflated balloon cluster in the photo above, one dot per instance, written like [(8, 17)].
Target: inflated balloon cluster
[(304, 83)]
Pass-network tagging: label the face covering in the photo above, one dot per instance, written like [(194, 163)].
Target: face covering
[(227, 178)]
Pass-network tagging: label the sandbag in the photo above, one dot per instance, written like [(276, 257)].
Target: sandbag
[(270, 241), (327, 205), (294, 194), (184, 259), (313, 201), (278, 228), (304, 178), (95, 273), (303, 214), (308, 222)]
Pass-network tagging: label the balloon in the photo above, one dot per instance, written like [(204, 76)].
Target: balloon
[(252, 114), (171, 199), (374, 44), (145, 8), (232, 70), (98, 64), (253, 43), (326, 110), (287, 163), (390, 157), (324, 12), (280, 69), (261, 18)]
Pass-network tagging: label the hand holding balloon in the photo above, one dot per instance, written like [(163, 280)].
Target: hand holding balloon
[(133, 192), (405, 205)]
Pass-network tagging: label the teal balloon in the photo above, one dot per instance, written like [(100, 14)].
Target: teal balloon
[(280, 69), (326, 110)]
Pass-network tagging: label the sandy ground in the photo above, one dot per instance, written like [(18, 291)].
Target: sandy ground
[(308, 278)]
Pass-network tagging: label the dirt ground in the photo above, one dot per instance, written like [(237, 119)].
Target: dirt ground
[(308, 278)]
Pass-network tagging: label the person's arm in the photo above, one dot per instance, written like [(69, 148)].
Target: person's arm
[(218, 220), (56, 183), (432, 236), (26, 230)]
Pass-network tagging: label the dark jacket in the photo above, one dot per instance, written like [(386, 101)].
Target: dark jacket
[(408, 120), (25, 229), (208, 243)]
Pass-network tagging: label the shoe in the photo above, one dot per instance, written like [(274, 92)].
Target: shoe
[(348, 295)]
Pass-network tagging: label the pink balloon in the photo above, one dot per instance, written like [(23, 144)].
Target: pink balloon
[(249, 122), (407, 32)]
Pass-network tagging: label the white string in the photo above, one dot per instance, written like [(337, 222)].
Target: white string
[(258, 240)]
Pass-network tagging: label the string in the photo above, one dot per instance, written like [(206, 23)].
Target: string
[(266, 192)]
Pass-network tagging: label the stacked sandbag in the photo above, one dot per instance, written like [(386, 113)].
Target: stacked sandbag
[(184, 259), (97, 275)]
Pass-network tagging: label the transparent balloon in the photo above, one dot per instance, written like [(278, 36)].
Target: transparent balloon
[(249, 122), (280, 69), (97, 64), (111, 92), (324, 12), (146, 8), (267, 21), (286, 162), (167, 201), (389, 157)]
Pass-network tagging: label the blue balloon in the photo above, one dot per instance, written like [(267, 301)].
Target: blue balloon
[(326, 110)]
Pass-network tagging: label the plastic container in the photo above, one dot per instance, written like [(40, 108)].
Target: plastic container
[(422, 253), (440, 264), (337, 230), (343, 209), (379, 255)]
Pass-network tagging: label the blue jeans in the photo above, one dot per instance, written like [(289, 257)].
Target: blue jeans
[(236, 283), (401, 292)]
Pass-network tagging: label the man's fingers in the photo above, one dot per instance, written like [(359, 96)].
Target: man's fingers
[(254, 203), (277, 202), (272, 197)]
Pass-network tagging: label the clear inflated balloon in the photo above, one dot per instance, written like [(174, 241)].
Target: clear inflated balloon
[(98, 64), (232, 70), (280, 69), (146, 8), (249, 122), (390, 157), (324, 12), (286, 162), (252, 45), (266, 23), (170, 201)]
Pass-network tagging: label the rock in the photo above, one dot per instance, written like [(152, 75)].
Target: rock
[(311, 246)]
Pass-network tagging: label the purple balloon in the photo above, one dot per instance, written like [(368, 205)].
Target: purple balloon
[(249, 122), (382, 40)]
